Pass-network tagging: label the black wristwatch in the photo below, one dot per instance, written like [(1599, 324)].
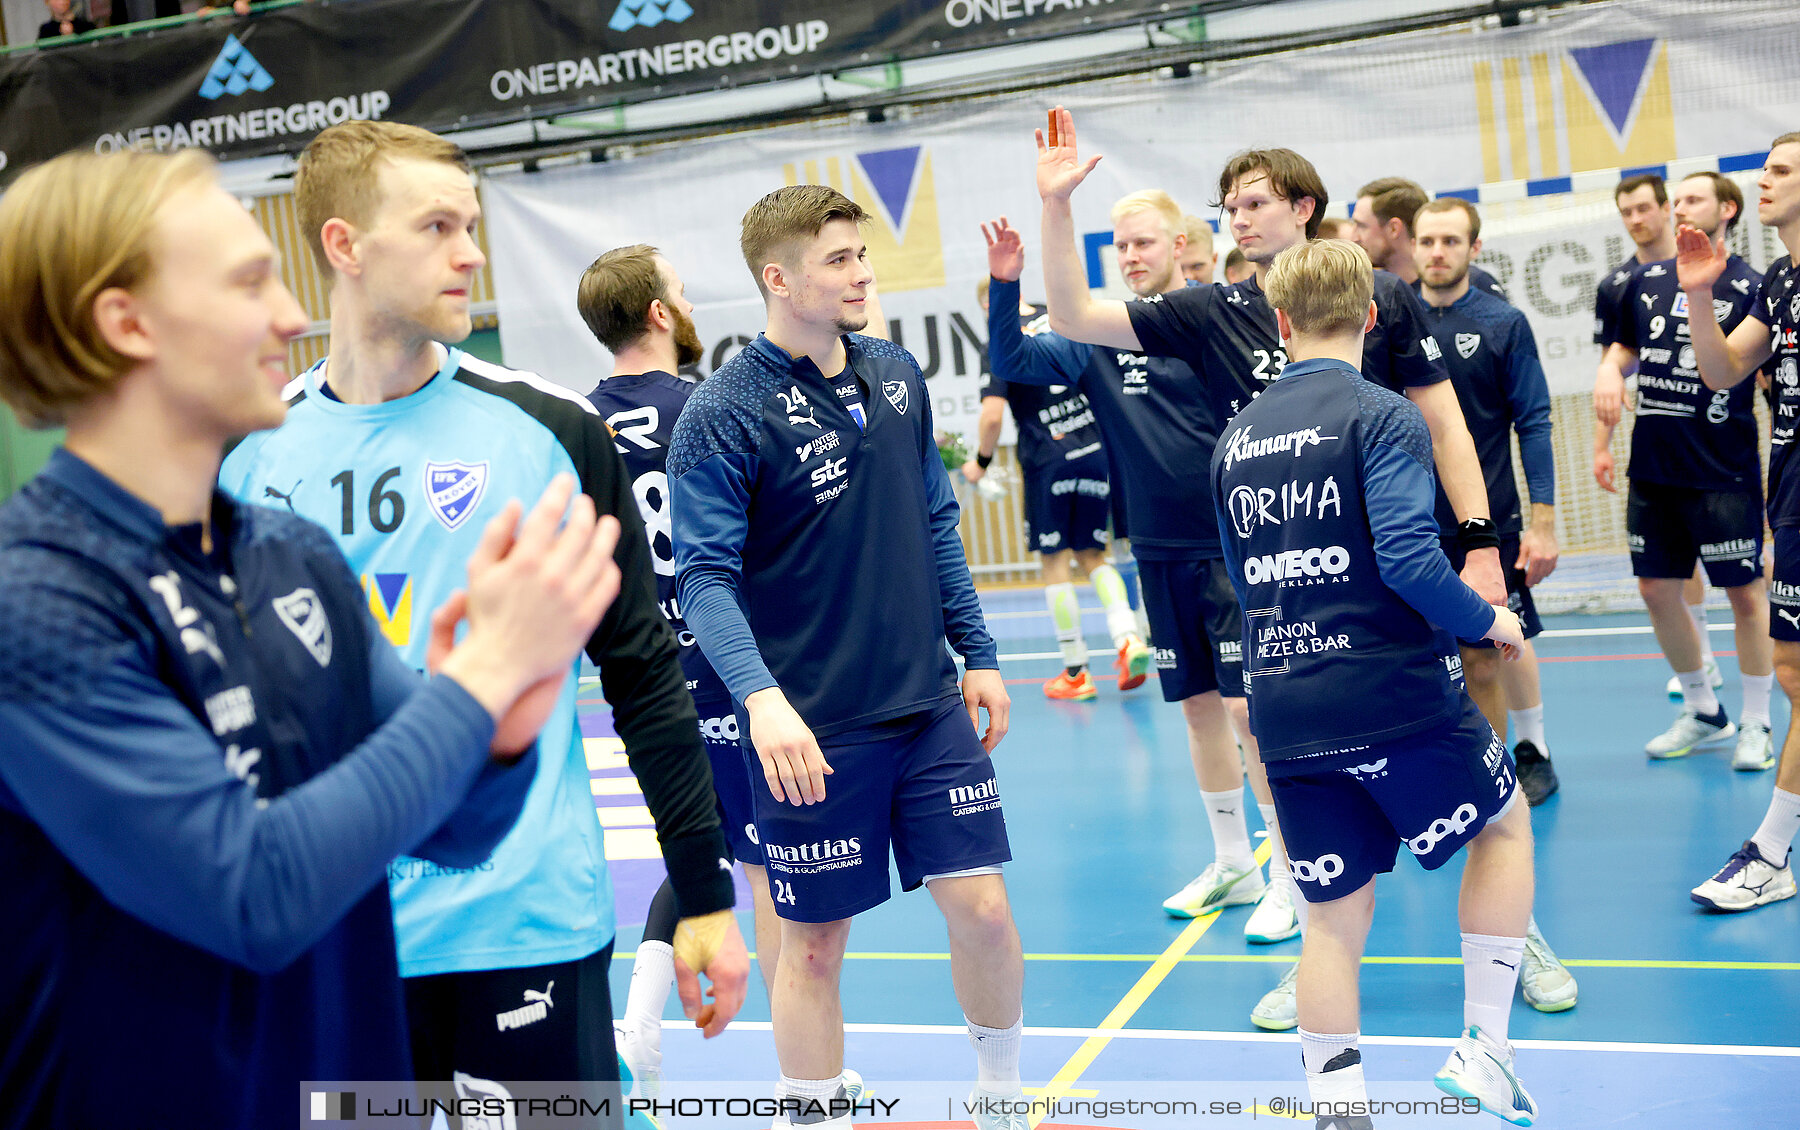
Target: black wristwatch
[(1478, 533)]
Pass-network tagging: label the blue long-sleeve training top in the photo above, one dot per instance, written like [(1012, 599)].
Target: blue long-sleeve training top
[(814, 554), (210, 758)]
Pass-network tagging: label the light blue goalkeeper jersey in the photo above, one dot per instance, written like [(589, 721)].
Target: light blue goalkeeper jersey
[(406, 487)]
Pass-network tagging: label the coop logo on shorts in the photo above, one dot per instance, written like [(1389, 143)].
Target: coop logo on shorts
[(1321, 870), (967, 800), (898, 189), (1427, 841), (1297, 565), (895, 391), (648, 13), (304, 615), (723, 729), (1370, 772), (454, 490), (822, 855)]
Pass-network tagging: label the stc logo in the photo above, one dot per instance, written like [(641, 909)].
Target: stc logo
[(829, 470)]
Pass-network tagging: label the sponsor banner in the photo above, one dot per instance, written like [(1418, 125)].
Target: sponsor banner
[(929, 182), (266, 85)]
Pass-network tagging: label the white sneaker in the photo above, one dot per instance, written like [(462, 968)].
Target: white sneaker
[(1219, 885), (1274, 919), (1688, 733), (1279, 1010), (1015, 1117), (640, 1054), (1746, 881), (1547, 984), (1755, 748), (1476, 1071), (1713, 676)]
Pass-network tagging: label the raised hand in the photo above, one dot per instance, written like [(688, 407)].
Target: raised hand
[(1060, 170), (1698, 260), (1006, 251)]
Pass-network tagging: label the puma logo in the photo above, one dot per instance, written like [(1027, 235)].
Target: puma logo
[(286, 498), (1791, 617)]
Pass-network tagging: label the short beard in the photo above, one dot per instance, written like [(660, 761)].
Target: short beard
[(688, 350), (851, 323)]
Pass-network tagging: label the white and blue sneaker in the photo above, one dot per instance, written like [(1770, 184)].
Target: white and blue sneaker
[(999, 1112), (1274, 919), (1477, 1070), (1746, 881), (1220, 885), (1279, 1009), (1689, 732)]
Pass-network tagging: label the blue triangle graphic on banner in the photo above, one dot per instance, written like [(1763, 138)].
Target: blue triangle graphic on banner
[(890, 172), (390, 585), (1614, 72)]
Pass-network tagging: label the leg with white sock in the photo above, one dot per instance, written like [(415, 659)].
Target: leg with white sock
[(639, 1035), (1703, 719), (1275, 918), (1761, 872), (1074, 684), (1127, 567), (1329, 1000), (1494, 913), (1693, 594), (1756, 664), (1233, 877), (987, 969)]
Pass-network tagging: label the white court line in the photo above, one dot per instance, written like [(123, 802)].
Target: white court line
[(1290, 1038)]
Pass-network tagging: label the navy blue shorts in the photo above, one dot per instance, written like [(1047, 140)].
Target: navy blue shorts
[(1518, 593), (1067, 505), (921, 783), (1784, 587), (720, 730), (1195, 626), (1668, 528), (1432, 792)]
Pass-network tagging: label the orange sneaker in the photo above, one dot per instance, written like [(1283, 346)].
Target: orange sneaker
[(1081, 688), (1133, 664)]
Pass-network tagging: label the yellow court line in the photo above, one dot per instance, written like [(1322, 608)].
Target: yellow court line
[(1061, 1083)]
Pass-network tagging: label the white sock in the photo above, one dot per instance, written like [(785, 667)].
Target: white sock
[(1756, 697), (652, 976), (1779, 826), (1697, 693), (1121, 621), (997, 1056), (1697, 612), (1231, 832), (1342, 1084), (1490, 974), (1065, 613), (1528, 726)]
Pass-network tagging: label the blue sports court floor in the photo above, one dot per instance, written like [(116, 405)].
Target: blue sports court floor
[(1686, 1019)]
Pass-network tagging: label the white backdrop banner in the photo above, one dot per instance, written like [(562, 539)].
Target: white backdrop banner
[(1626, 85)]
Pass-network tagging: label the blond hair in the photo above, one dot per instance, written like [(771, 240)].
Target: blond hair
[(1199, 233), (70, 229), (777, 225), (1150, 200), (337, 174), (1325, 286)]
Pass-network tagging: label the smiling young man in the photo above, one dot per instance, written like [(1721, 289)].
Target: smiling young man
[(1272, 200), (211, 751), (1696, 483), (1760, 872), (1160, 423), (818, 563), (398, 444)]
